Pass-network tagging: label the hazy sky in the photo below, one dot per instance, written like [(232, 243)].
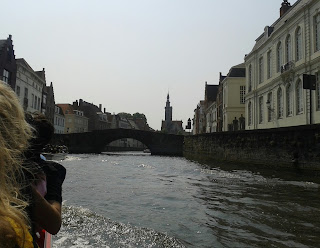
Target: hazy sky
[(127, 54)]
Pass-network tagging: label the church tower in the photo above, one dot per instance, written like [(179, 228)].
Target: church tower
[(168, 111)]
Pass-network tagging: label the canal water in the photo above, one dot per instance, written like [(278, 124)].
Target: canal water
[(138, 200)]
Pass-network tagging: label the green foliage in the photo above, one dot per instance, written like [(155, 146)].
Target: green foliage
[(139, 115), (125, 115), (134, 116)]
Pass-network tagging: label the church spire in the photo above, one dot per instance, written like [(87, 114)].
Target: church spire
[(168, 110)]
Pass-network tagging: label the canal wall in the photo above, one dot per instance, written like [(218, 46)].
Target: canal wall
[(297, 147)]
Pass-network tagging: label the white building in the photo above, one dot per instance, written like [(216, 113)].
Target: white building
[(233, 105), (211, 118), (29, 86), (286, 50), (59, 120)]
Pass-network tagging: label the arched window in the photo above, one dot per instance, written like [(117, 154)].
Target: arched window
[(298, 44), (260, 109), (280, 103), (261, 72), (249, 113), (269, 64), (270, 106), (317, 32), (250, 78), (288, 49), (299, 97), (279, 57), (289, 99)]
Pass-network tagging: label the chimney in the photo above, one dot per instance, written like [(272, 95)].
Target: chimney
[(285, 6), (104, 110), (10, 37), (100, 106), (80, 102)]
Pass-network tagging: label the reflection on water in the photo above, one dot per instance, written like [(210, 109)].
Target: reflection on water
[(149, 201)]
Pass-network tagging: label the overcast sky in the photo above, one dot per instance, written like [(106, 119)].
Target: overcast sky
[(127, 54)]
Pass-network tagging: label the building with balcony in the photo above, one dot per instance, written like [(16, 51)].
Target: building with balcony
[(286, 50)]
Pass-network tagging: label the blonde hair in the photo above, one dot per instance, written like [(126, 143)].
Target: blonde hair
[(14, 135)]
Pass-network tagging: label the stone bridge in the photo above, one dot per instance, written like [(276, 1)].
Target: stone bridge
[(96, 141)]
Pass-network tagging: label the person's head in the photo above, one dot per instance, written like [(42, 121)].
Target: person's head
[(14, 135), (43, 131)]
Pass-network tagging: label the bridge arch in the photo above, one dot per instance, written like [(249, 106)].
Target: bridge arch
[(95, 141)]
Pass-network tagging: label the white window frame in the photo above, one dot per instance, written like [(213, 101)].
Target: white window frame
[(289, 97), (260, 109), (298, 44), (299, 97), (261, 71), (269, 64), (279, 57), (288, 49), (280, 103)]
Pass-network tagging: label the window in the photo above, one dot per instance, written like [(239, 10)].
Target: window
[(298, 44), (280, 103), (317, 32), (250, 78), (279, 57), (318, 91), (270, 108), (299, 97), (242, 93), (261, 109), (26, 92), (261, 70), (18, 90), (32, 103), (38, 103), (289, 99), (6, 76), (269, 65), (249, 114), (288, 49)]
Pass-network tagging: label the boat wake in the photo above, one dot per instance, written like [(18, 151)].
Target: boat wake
[(84, 228)]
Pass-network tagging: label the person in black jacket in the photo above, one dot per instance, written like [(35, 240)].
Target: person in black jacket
[(45, 179)]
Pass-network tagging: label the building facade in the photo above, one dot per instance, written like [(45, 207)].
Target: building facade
[(98, 120), (75, 121), (59, 120), (233, 104), (8, 67), (286, 50), (49, 102), (29, 86)]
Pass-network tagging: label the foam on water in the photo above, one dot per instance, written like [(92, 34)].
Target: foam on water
[(84, 228)]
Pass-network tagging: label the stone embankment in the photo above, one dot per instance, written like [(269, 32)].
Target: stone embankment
[(297, 147)]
